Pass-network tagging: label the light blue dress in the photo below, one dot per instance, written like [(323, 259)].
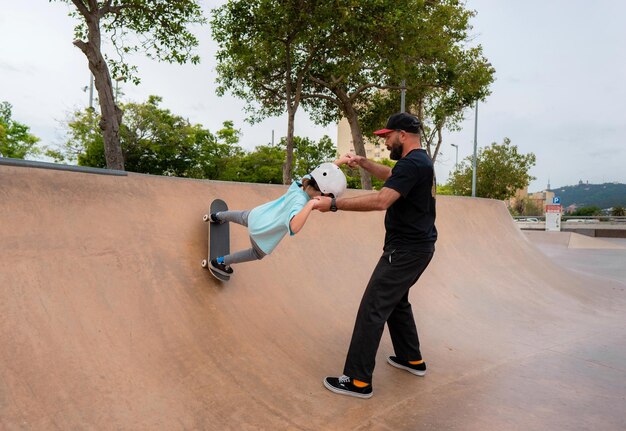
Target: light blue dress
[(269, 223)]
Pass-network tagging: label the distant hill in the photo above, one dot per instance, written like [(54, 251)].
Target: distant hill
[(605, 195)]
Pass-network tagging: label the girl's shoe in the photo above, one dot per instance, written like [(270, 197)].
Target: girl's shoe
[(221, 268), (213, 218)]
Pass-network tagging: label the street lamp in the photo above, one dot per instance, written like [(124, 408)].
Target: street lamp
[(90, 88), (456, 163), (475, 146), (117, 88)]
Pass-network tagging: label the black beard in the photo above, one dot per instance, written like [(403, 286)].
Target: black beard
[(396, 152)]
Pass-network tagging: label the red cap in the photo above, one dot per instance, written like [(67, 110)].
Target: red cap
[(382, 132), (401, 121)]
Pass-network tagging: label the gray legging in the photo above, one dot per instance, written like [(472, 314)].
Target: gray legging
[(254, 252)]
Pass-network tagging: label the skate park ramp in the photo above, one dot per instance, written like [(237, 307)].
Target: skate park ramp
[(601, 258), (108, 321), (572, 240)]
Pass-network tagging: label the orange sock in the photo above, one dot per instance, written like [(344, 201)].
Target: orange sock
[(421, 361), (359, 384)]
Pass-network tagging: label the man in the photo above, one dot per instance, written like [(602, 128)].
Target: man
[(408, 196)]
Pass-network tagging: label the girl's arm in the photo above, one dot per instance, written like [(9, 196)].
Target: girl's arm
[(298, 221)]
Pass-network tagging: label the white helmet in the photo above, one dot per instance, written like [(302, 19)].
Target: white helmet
[(330, 179)]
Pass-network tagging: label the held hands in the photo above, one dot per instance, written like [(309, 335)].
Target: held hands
[(321, 203), (352, 160)]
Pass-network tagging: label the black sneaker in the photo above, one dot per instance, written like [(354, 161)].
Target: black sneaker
[(418, 370), (213, 218), (343, 385), (221, 268)]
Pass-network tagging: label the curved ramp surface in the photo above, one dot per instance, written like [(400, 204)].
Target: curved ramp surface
[(107, 320)]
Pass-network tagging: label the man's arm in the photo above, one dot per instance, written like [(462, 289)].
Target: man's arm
[(371, 202), (380, 171)]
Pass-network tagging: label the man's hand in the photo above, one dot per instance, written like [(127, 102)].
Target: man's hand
[(322, 203), (342, 160), (353, 160)]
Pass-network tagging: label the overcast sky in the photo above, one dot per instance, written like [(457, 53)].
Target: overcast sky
[(559, 89)]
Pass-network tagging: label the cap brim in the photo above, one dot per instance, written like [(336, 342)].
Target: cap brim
[(382, 132)]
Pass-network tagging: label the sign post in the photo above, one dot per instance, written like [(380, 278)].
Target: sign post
[(553, 217)]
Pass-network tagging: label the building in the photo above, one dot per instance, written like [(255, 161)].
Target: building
[(520, 195), (538, 199), (374, 147), (541, 199)]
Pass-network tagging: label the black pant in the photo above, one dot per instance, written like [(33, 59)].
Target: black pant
[(386, 299)]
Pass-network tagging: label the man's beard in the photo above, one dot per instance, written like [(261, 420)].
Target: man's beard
[(396, 152)]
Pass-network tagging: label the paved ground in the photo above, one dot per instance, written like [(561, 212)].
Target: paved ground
[(107, 320), (602, 258)]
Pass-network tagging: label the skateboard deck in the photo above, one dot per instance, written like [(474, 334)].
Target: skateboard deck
[(219, 238)]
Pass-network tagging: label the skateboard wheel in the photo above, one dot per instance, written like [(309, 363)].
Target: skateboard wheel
[(205, 217), (205, 263)]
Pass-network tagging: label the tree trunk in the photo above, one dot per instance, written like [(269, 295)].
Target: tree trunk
[(111, 118), (289, 153), (292, 107), (357, 138), (439, 142), (111, 115), (420, 110)]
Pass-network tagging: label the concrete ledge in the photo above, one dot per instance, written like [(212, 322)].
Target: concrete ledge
[(59, 167), (606, 230)]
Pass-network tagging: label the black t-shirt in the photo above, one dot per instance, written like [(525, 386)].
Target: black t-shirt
[(410, 221)]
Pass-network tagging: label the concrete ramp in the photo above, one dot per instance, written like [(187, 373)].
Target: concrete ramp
[(571, 240), (107, 320)]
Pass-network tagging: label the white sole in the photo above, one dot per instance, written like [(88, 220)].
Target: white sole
[(410, 370), (348, 393), (219, 271), (214, 272)]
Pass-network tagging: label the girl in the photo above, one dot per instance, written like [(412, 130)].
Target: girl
[(267, 224)]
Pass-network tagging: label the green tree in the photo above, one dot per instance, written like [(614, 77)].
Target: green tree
[(155, 141), (309, 154), (263, 165), (219, 154), (526, 207), (156, 27), (331, 56), (266, 50), (373, 38), (15, 139), (382, 47), (444, 190), (353, 176), (84, 144), (618, 211), (500, 171), (589, 211), (439, 94)]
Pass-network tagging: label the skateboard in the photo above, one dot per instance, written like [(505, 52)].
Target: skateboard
[(219, 238)]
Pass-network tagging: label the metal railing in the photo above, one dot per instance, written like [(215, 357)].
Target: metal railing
[(574, 219)]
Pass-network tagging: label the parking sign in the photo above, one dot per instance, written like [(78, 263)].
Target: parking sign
[(556, 200)]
